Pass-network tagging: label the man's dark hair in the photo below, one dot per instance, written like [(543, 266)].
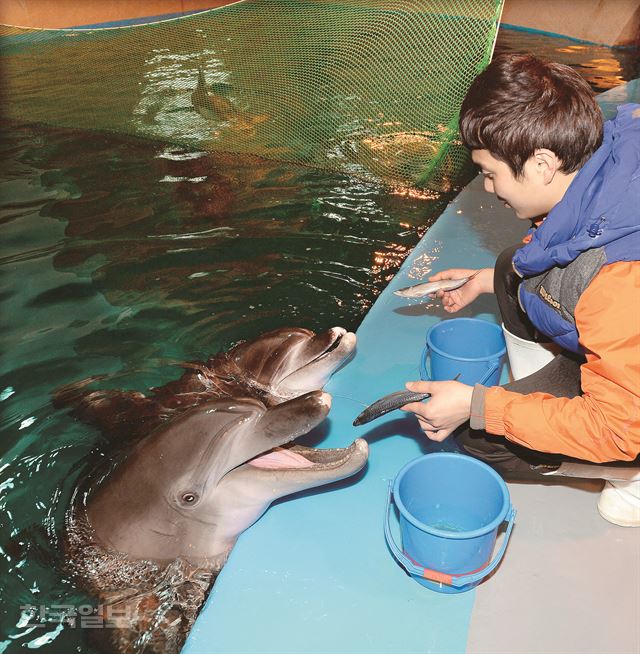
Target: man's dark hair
[(520, 103)]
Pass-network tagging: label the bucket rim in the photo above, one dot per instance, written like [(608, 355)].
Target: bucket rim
[(448, 355), (442, 533)]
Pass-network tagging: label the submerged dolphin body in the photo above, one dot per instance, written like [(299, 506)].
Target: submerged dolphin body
[(150, 535), (209, 105)]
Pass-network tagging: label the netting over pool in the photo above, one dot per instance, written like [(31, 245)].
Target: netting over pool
[(368, 87)]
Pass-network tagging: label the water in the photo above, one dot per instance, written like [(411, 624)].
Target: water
[(255, 78), (602, 67), (445, 525), (122, 257)]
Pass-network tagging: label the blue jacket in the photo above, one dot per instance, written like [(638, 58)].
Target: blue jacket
[(597, 222)]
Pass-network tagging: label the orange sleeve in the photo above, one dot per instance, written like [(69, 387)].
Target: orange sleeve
[(604, 423)]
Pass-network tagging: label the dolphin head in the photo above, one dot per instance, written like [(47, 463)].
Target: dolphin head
[(192, 486), (289, 362)]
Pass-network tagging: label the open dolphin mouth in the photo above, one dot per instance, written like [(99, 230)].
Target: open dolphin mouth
[(297, 457), (342, 343), (281, 466)]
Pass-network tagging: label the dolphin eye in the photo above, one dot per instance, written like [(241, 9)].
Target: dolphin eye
[(189, 498)]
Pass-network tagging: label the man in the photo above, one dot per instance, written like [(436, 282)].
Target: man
[(536, 133)]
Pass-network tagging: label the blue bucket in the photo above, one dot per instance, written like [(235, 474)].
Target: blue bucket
[(451, 506), (469, 347)]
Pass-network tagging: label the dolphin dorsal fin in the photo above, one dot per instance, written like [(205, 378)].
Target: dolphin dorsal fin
[(202, 81)]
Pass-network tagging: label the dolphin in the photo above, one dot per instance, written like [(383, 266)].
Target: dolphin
[(215, 107), (210, 105), (203, 458), (274, 367), (151, 534)]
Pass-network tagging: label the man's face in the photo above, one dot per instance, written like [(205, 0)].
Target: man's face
[(528, 195)]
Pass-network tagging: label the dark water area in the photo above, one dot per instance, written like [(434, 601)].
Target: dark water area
[(122, 257), (601, 66)]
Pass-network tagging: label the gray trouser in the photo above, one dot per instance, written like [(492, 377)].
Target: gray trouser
[(560, 377)]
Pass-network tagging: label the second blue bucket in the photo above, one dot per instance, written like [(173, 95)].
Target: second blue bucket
[(451, 507), (469, 347)]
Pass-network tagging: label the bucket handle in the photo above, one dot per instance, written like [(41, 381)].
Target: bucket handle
[(493, 368), (443, 577), (425, 376)]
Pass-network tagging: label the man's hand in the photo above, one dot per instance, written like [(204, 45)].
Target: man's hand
[(453, 301), (448, 407)]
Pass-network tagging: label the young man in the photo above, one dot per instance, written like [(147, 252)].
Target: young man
[(537, 135)]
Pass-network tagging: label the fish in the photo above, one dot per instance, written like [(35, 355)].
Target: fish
[(428, 288), (388, 403)]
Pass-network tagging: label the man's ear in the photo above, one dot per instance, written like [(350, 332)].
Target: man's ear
[(547, 164)]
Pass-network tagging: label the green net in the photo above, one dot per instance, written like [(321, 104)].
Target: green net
[(366, 87)]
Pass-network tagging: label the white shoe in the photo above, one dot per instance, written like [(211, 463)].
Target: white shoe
[(619, 503)]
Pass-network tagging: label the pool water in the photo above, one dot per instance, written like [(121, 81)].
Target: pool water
[(601, 66), (122, 258)]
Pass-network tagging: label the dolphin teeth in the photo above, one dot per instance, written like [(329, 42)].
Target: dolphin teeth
[(299, 457), (329, 458)]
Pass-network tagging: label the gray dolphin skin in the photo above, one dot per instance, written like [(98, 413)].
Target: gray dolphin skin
[(274, 367), (149, 535)]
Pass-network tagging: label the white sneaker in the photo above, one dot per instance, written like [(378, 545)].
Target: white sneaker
[(619, 503)]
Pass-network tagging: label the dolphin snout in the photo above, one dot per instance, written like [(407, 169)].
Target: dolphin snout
[(325, 399)]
